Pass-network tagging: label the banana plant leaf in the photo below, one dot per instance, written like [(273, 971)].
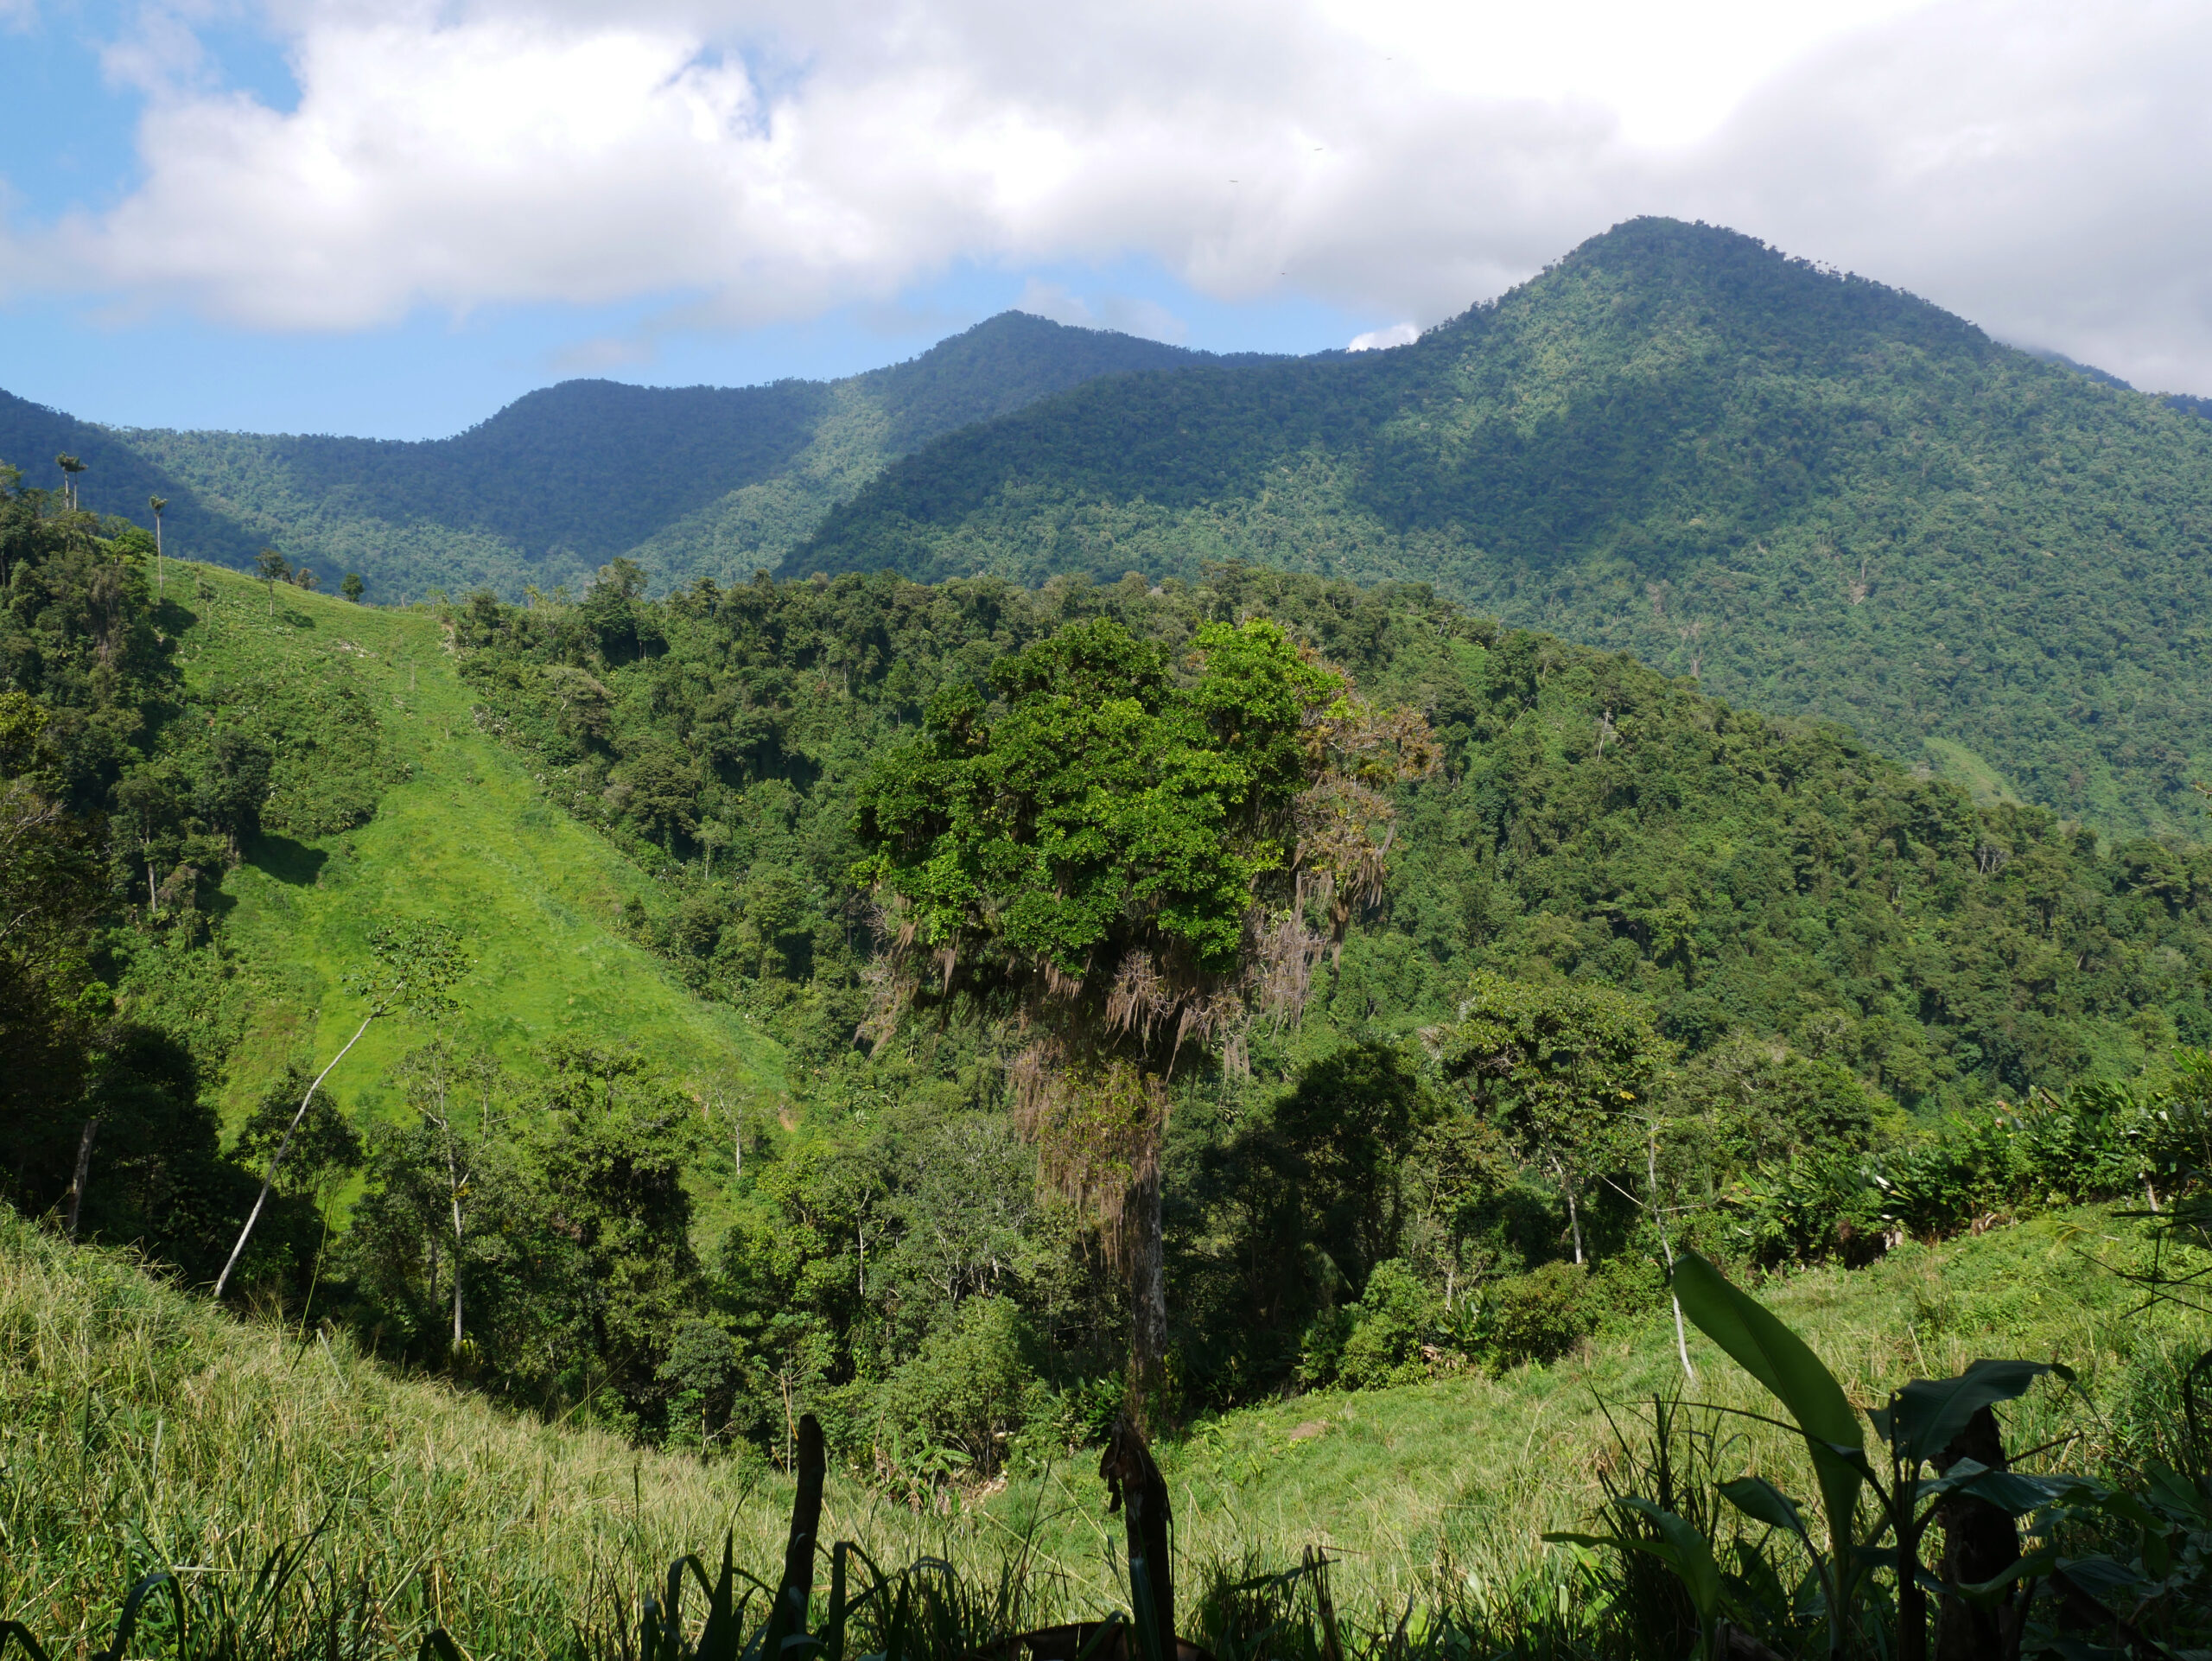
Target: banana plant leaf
[(1778, 1358)]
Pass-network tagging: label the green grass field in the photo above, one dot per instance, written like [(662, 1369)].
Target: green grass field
[(468, 838), (139, 1428)]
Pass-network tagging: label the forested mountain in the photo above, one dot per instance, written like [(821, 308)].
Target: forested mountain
[(118, 478), (687, 481), (1814, 493)]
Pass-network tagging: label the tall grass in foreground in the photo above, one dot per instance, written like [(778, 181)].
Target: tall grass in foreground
[(318, 1502)]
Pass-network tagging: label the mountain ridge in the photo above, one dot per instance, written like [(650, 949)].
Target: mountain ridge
[(566, 477), (1815, 492)]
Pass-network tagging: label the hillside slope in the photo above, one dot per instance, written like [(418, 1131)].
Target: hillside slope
[(141, 1428), (463, 832), (690, 481), (1816, 494)]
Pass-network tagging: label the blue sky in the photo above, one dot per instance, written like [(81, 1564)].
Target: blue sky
[(391, 216), (68, 143), (435, 374)]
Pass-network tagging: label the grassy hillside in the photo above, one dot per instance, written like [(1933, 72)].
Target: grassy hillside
[(1817, 494), (689, 481), (462, 831), (139, 1428)]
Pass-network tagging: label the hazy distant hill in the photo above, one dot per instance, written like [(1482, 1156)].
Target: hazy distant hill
[(690, 481), (1817, 494)]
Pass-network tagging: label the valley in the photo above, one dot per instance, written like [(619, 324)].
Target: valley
[(1068, 884)]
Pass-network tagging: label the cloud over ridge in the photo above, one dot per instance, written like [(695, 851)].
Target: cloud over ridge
[(2044, 168)]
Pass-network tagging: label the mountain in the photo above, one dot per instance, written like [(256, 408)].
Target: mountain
[(689, 481), (118, 479), (1817, 494)]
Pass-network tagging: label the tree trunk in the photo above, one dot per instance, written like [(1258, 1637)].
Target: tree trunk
[(453, 1186), (83, 1171), (1573, 1220), (1147, 1257), (1980, 1541), (1134, 1486), (282, 1148)]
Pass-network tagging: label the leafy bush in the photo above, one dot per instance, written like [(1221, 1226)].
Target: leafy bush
[(1537, 1316), (966, 1388), (1397, 1318)]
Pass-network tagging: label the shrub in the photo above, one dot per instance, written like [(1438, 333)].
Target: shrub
[(965, 1390), (1393, 1319), (1537, 1316)]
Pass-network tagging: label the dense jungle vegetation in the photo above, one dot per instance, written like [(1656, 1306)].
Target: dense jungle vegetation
[(1818, 495), (1777, 941), (1647, 972), (687, 481)]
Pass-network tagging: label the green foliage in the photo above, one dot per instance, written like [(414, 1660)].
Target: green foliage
[(1994, 1589), (1105, 794), (1538, 1316), (691, 480), (1398, 1316), (1742, 875), (1820, 495), (1566, 1071), (967, 1387), (325, 1150)]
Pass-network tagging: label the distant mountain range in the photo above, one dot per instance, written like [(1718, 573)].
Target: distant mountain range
[(1819, 495), (689, 481)]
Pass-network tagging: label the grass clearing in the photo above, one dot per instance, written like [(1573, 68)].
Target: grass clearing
[(467, 837), (140, 1427)]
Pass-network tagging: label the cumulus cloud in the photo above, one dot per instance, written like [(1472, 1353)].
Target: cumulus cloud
[(1379, 340), (2041, 167)]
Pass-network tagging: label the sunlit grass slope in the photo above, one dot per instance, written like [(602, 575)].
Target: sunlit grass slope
[(139, 1428), (1469, 1473), (463, 834)]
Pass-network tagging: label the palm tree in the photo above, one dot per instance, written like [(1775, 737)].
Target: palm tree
[(160, 577), (71, 466)]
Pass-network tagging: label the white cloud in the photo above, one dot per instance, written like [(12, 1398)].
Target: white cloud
[(1378, 340), (2041, 167)]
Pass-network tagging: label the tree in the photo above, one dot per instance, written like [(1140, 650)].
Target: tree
[(1346, 1130), (50, 998), (304, 578), (1139, 863), (271, 567), (352, 587), (413, 968), (325, 1147), (71, 466), (147, 806), (1566, 1068), (160, 572), (434, 1076), (618, 1141)]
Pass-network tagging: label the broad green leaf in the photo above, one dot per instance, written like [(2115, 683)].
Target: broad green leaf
[(1685, 1551), (2103, 1578), (1778, 1358), (1763, 1502), (2009, 1491), (1930, 1412), (2036, 1562), (2180, 1496)]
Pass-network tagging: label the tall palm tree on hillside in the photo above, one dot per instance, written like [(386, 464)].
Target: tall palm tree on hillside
[(71, 466), (160, 577)]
